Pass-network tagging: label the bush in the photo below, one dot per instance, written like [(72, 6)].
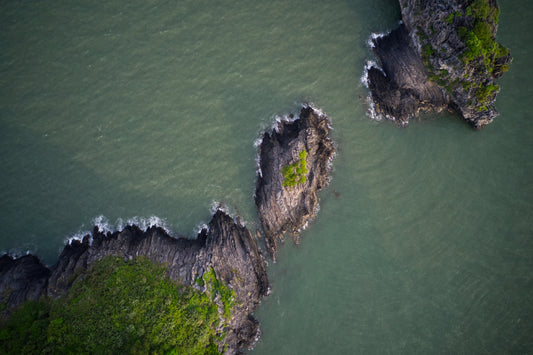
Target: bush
[(449, 19), (295, 173), (479, 39), (484, 92)]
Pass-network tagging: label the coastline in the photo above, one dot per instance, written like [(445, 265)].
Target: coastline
[(223, 247)]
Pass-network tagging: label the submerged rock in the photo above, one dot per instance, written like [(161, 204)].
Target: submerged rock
[(287, 207), (443, 56), (225, 246)]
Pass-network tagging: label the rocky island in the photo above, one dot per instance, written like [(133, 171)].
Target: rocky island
[(223, 260), (294, 163), (442, 56)]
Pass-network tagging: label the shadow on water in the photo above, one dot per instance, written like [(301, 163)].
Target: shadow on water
[(386, 13), (40, 180), (37, 194)]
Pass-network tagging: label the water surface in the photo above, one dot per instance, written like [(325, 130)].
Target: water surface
[(128, 109)]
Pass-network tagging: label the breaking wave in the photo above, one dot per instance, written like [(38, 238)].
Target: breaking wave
[(105, 226), (374, 36)]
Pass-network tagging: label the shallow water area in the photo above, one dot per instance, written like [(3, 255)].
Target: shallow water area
[(136, 109)]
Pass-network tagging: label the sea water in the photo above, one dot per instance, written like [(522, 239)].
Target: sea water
[(147, 112)]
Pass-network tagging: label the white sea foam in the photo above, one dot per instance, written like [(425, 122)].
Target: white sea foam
[(199, 227), (218, 206), (329, 164), (257, 144), (143, 223), (369, 64), (79, 237), (16, 253), (374, 36), (371, 106), (103, 224), (283, 119), (371, 109), (315, 108), (146, 223), (119, 224), (258, 166), (304, 227), (258, 141)]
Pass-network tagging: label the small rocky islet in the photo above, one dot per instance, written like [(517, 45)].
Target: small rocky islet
[(442, 56), (285, 206)]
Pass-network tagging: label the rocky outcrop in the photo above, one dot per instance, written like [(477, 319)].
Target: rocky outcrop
[(443, 56), (225, 246), (25, 278), (282, 208), (401, 89)]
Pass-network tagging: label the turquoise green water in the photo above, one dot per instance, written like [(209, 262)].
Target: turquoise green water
[(150, 108)]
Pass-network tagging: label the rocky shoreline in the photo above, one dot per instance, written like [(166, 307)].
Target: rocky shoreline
[(442, 56), (224, 245)]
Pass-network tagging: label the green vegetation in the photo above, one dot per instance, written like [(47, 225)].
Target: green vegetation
[(122, 307), (449, 19), (478, 39), (216, 287), (295, 173), (484, 92), (481, 9), (486, 55)]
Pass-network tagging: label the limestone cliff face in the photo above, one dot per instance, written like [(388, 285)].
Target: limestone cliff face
[(226, 246), (282, 208), (446, 46)]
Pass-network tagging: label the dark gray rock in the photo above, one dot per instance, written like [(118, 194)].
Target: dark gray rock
[(401, 89), (226, 246), (284, 209), (422, 66), (21, 279)]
